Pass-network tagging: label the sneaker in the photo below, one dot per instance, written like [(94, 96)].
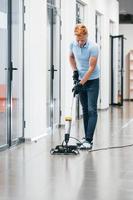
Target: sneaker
[(81, 141), (85, 145)]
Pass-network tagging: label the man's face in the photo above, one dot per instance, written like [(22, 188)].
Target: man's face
[(81, 40)]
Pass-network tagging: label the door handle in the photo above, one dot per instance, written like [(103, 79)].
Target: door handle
[(52, 70), (11, 70)]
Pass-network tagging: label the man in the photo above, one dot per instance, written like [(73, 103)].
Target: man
[(83, 60)]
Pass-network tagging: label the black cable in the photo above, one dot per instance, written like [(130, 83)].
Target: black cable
[(71, 138), (114, 147), (63, 142), (76, 139), (102, 149), (105, 148)]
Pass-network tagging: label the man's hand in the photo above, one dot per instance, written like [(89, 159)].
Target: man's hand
[(75, 76), (77, 88)]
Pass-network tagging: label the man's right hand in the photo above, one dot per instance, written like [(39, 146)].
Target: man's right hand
[(75, 76)]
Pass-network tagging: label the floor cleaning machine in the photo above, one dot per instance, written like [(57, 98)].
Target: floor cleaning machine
[(65, 148)]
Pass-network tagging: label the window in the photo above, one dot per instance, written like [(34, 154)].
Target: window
[(79, 12)]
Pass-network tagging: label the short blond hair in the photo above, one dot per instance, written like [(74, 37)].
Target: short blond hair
[(80, 30)]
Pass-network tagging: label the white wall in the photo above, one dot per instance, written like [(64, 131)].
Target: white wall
[(35, 68), (109, 11), (127, 31), (36, 57)]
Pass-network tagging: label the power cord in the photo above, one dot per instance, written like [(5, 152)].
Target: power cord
[(113, 147), (71, 138), (105, 148)]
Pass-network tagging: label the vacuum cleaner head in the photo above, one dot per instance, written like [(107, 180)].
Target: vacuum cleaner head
[(65, 150)]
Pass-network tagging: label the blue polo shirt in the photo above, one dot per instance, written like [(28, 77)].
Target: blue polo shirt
[(82, 56)]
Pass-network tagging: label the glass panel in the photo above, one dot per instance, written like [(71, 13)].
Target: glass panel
[(79, 12), (56, 56), (3, 72), (117, 70), (3, 6), (79, 19), (48, 63), (17, 61), (111, 23), (53, 83), (98, 41), (120, 92)]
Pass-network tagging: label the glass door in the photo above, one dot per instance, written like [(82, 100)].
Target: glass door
[(54, 64), (80, 12), (111, 33), (11, 72), (117, 70), (17, 71), (98, 39), (3, 72)]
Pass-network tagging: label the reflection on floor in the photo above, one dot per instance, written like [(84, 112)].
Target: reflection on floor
[(3, 120), (29, 172), (2, 128)]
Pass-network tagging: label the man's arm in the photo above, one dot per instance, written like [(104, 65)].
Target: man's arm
[(72, 62), (92, 65)]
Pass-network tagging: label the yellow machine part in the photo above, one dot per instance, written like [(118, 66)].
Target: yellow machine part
[(68, 118)]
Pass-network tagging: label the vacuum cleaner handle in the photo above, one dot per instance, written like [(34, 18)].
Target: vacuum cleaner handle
[(72, 106)]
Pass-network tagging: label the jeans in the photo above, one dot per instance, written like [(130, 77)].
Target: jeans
[(88, 98)]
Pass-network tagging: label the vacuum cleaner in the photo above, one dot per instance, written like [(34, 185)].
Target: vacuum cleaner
[(65, 148)]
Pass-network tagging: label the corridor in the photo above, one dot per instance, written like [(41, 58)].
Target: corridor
[(29, 172)]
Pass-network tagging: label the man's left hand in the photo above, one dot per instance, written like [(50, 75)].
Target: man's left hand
[(77, 88)]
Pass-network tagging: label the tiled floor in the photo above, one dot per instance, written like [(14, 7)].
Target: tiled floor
[(29, 172)]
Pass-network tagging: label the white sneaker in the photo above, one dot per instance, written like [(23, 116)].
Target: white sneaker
[(81, 141), (86, 145)]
